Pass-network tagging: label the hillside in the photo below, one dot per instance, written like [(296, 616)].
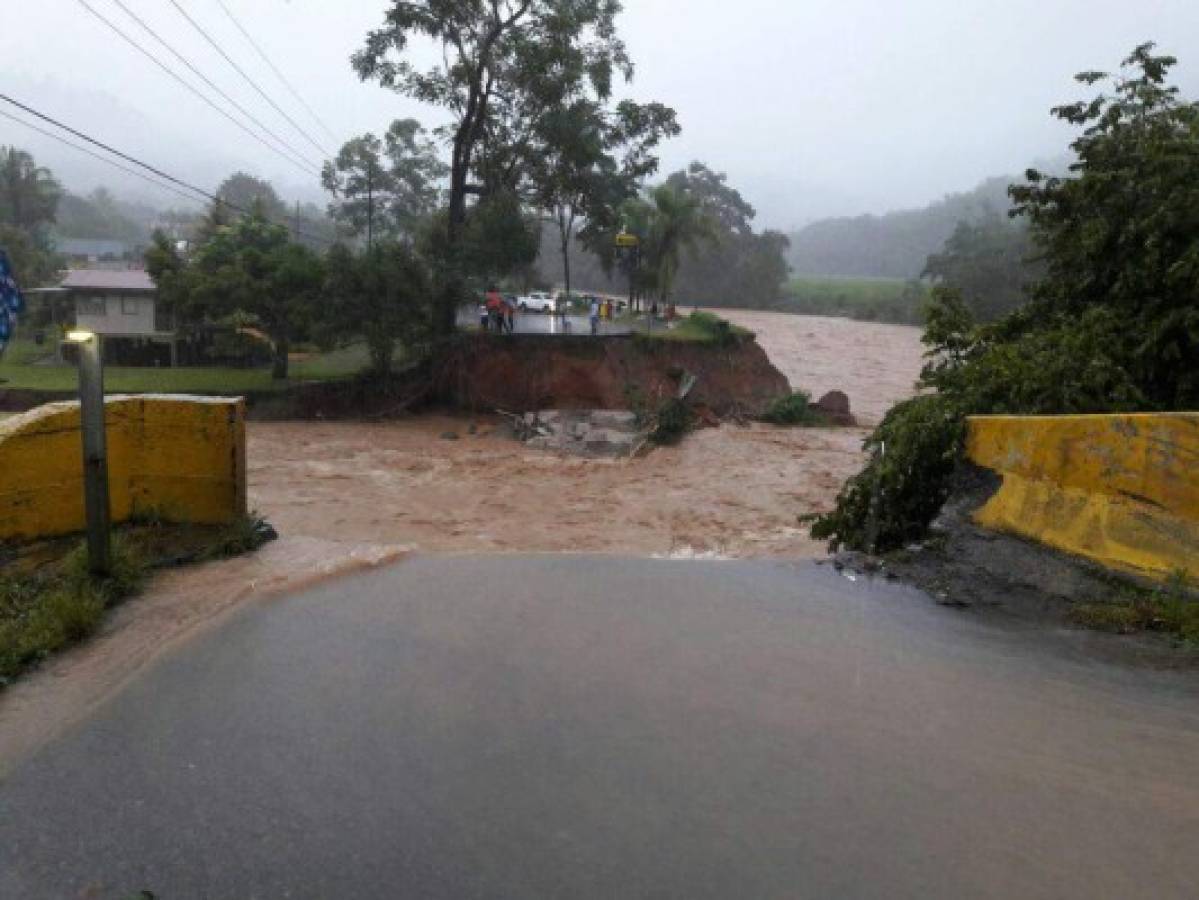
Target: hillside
[(893, 245)]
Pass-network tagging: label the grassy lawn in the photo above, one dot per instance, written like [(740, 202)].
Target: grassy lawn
[(866, 299), (17, 371), (699, 328)]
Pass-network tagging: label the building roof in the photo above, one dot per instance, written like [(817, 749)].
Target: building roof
[(106, 280), (91, 247)]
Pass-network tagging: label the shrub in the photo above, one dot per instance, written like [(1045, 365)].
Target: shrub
[(674, 420), (794, 409), (892, 500)]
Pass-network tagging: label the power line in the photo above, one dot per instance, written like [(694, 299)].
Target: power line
[(266, 59), (307, 167), (194, 24), (104, 159), (179, 56), (149, 168)]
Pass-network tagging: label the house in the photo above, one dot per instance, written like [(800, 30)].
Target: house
[(122, 307)]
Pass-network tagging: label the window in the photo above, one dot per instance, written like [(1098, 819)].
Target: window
[(130, 306), (90, 306)]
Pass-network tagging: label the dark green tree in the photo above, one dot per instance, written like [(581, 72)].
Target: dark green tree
[(1113, 324), (380, 294), (29, 193), (385, 187), (250, 270), (503, 63), (989, 262)]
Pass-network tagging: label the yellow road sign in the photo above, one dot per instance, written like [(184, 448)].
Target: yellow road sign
[(624, 239)]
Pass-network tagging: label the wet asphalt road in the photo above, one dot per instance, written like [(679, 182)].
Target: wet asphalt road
[(591, 727)]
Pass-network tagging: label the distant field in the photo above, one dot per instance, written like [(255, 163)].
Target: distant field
[(866, 299), (17, 371)]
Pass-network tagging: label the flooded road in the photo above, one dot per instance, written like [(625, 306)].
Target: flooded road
[(352, 494), (563, 726)]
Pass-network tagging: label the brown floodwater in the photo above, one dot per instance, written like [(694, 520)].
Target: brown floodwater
[(349, 495)]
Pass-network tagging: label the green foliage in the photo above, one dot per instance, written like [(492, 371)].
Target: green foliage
[(989, 263), (737, 267), (1171, 609), (672, 422), (29, 193), (795, 409), (501, 70), (46, 607), (1112, 326), (389, 184), (382, 295), (699, 327), (55, 607), (889, 503), (250, 268)]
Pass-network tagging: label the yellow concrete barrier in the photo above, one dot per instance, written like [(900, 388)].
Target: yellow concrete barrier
[(1121, 490), (181, 459)]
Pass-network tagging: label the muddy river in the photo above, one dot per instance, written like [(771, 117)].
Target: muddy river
[(345, 496)]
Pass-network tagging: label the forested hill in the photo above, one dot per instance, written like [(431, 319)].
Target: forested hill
[(894, 245)]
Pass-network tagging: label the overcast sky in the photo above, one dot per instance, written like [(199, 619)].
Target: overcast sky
[(813, 107)]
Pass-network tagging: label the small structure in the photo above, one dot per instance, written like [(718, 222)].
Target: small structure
[(96, 253), (123, 307)]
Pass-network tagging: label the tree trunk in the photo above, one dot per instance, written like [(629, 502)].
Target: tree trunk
[(279, 368), (564, 230)]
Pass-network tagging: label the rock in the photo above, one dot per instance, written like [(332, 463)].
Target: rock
[(449, 435), (835, 405)]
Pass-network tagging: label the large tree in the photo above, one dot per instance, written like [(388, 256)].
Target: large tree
[(385, 187), (592, 161), (381, 295), (249, 269), (737, 267), (1113, 324), (989, 262), (503, 64), (29, 193)]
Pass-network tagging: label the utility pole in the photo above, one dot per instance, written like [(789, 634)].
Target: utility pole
[(370, 203)]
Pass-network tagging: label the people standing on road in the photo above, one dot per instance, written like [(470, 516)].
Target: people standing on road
[(495, 310), (509, 311), (484, 315), (594, 316)]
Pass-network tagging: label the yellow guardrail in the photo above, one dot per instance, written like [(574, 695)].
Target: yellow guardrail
[(180, 459), (1121, 490)]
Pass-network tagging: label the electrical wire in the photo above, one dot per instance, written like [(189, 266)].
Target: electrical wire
[(325, 154), (103, 159), (282, 78), (307, 167), (144, 165), (195, 71)]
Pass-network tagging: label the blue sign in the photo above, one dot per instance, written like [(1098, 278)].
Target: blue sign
[(12, 301)]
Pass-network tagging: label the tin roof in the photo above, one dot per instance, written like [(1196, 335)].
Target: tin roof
[(106, 280)]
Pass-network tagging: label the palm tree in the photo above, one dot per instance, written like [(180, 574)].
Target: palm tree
[(677, 222)]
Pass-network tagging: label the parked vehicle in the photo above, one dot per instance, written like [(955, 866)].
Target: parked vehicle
[(537, 301)]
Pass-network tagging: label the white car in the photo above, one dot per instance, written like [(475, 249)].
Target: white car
[(538, 301)]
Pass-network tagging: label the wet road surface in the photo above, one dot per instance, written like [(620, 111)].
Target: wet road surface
[(598, 727)]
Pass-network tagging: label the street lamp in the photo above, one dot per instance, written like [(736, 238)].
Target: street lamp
[(95, 450)]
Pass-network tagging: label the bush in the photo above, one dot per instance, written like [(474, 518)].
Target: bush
[(794, 409), (674, 420), (891, 502)]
